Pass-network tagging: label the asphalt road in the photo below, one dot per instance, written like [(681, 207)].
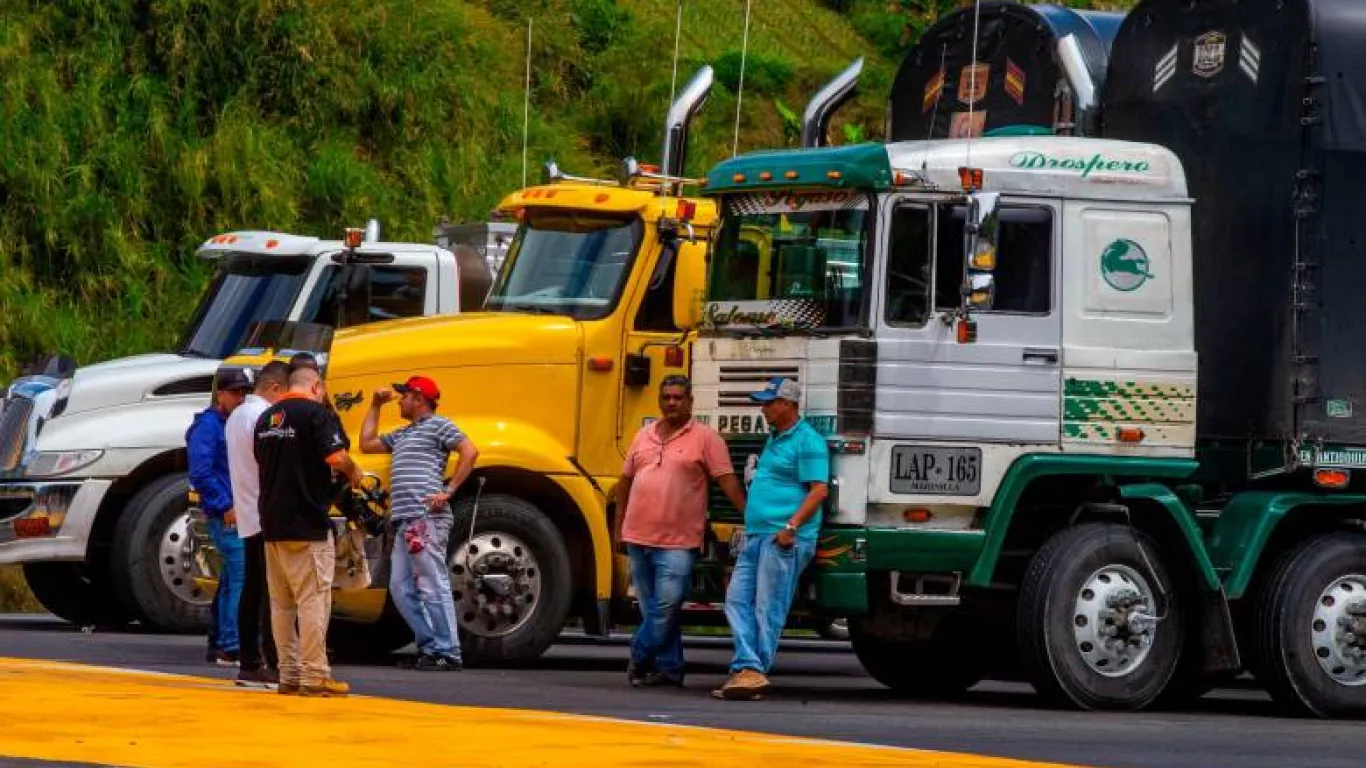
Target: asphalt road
[(819, 691)]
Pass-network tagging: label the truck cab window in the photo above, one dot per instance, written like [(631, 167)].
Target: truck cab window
[(394, 292), (1024, 260), (908, 266)]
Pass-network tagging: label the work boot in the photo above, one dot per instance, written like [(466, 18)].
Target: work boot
[(326, 689), (261, 677), (288, 689), (745, 685)]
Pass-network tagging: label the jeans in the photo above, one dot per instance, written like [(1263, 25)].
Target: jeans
[(420, 585), (253, 612), (760, 595), (229, 593), (661, 578)]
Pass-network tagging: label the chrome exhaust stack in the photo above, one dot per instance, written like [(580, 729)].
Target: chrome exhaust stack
[(694, 96), (826, 102)]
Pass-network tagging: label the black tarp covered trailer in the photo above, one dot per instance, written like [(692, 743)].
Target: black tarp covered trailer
[(1264, 101), (1022, 80)]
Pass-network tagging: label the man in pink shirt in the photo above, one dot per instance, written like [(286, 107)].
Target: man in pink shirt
[(663, 520)]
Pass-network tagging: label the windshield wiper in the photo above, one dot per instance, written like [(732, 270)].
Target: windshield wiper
[(532, 309)]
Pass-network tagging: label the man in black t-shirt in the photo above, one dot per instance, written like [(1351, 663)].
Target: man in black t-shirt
[(298, 445)]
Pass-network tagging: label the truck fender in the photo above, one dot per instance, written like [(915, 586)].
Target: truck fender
[(1248, 521), (1029, 468)]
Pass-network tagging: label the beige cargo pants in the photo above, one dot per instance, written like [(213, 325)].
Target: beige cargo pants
[(299, 575)]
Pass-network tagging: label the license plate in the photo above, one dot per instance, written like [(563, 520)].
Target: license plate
[(934, 471)]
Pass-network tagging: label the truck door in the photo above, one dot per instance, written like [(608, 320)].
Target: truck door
[(650, 352), (1004, 388), (405, 287)]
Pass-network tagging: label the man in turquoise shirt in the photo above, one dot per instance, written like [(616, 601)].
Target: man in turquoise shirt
[(782, 520)]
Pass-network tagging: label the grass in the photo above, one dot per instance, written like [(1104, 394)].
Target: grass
[(15, 596)]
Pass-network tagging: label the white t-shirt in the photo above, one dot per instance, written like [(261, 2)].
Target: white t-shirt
[(246, 477)]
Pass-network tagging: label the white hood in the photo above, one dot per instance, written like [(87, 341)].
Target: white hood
[(130, 380)]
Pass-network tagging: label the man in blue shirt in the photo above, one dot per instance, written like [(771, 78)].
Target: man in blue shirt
[(209, 477), (782, 520)]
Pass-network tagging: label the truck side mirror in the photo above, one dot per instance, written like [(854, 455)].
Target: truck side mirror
[(983, 230), (690, 280), (355, 299)]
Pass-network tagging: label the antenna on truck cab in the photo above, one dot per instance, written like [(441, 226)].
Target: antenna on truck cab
[(526, 101), (740, 88), (972, 83)]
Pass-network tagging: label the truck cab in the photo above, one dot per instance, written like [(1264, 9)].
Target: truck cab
[(92, 459)]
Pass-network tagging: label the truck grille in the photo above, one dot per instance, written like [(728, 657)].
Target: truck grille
[(14, 415), (740, 448), (737, 382)]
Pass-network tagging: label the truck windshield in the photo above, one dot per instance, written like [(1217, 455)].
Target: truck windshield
[(566, 263), (795, 265), (241, 293)]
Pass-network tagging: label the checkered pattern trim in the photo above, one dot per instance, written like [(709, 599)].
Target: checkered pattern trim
[(794, 202)]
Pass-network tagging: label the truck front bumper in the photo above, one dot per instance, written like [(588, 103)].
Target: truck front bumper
[(48, 520), (846, 556)]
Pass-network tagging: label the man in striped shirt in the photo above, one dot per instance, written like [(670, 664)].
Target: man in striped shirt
[(419, 503)]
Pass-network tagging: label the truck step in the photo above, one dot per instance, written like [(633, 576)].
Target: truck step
[(940, 589)]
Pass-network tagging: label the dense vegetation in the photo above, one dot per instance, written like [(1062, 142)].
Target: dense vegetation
[(135, 129)]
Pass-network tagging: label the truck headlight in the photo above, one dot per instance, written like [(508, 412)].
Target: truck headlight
[(53, 463)]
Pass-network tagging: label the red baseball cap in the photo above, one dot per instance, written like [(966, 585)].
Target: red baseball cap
[(421, 385)]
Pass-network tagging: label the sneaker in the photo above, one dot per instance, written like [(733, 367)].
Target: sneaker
[(745, 685), (661, 679), (635, 675), (226, 658), (328, 688), (262, 677), (211, 655), (427, 663)]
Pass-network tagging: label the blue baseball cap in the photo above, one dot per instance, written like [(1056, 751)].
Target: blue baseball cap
[(778, 388)]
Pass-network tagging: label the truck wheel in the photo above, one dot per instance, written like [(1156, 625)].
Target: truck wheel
[(70, 592), (1094, 628), (941, 667), (157, 553), (512, 583), (1311, 627)]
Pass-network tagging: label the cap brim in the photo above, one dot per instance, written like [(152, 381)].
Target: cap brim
[(763, 397), (400, 388)]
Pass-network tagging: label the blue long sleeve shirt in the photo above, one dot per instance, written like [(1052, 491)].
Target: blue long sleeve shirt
[(209, 462)]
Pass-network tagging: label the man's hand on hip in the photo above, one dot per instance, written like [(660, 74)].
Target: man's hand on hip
[(785, 539)]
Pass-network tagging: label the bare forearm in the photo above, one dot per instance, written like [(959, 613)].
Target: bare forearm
[(815, 497), (623, 499), (730, 485), (369, 431), (468, 454)]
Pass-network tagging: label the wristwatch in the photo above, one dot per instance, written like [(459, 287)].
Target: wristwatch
[(790, 528)]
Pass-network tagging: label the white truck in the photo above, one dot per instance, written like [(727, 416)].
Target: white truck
[(93, 489)]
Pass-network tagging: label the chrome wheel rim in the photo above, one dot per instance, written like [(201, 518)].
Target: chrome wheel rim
[(496, 583), (1337, 630), (1113, 622), (185, 553)]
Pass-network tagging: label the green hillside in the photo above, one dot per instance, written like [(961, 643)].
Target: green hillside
[(133, 129)]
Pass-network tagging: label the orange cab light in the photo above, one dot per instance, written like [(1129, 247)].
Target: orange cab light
[(834, 175), (687, 209), (602, 198), (971, 178), (1131, 435), (532, 193), (272, 243), (232, 239), (738, 178), (600, 364), (32, 527), (790, 175), (552, 193), (1332, 478), (354, 237), (649, 168), (765, 176), (967, 331), (917, 515)]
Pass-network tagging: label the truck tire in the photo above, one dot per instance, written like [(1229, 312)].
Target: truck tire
[(150, 558), (1310, 624), (1084, 582), (73, 592), (940, 667), (512, 583)]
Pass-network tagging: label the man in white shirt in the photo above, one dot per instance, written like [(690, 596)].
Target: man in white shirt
[(259, 662)]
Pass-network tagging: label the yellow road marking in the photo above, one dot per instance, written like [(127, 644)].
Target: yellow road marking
[(58, 711)]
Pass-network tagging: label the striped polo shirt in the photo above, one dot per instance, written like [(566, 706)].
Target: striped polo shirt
[(421, 451)]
